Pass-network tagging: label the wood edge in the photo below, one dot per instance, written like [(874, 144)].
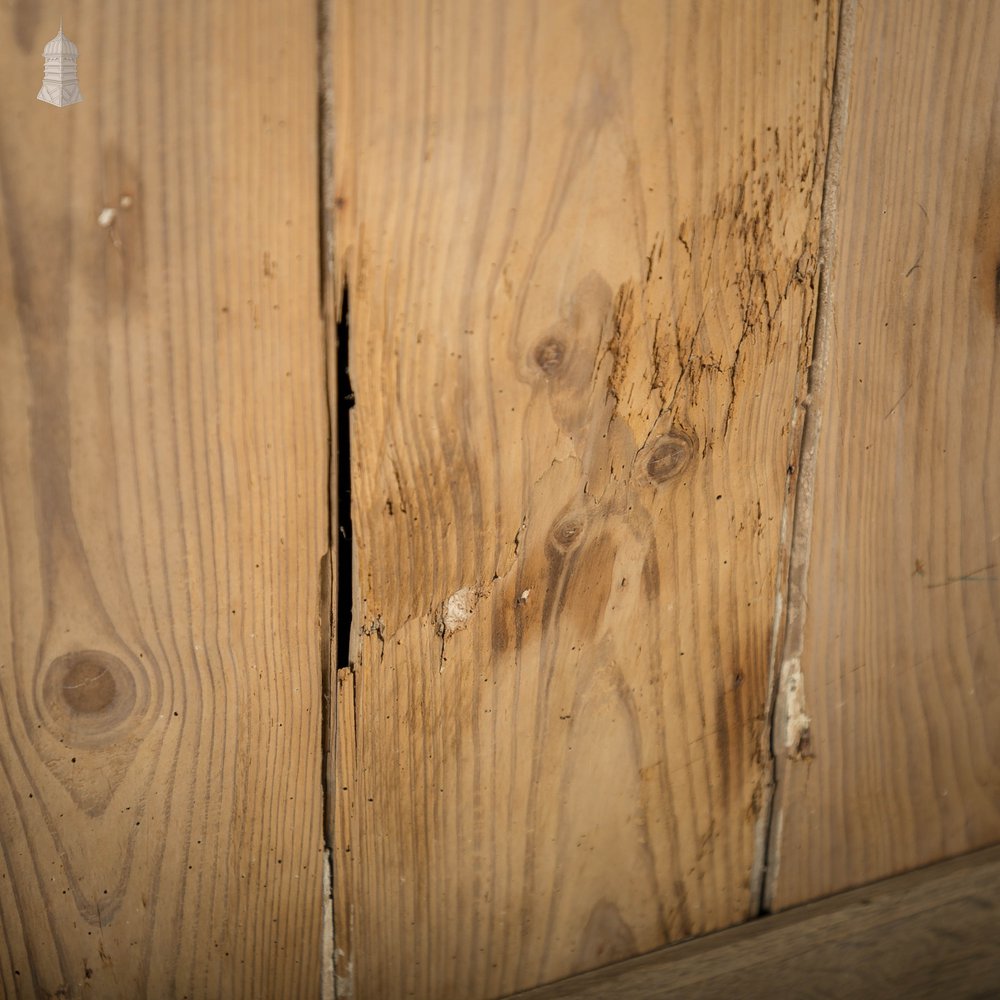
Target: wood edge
[(329, 577), (789, 723), (762, 944), (763, 862)]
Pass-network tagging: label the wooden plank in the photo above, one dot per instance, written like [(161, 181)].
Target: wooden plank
[(929, 933), (895, 653), (580, 245), (163, 505)]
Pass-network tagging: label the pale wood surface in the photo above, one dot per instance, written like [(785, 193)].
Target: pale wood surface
[(163, 505), (929, 933), (580, 244), (900, 654)]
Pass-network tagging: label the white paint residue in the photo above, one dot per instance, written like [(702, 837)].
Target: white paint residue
[(797, 721), (106, 218), (779, 827), (343, 981), (523, 599), (344, 984), (327, 982), (458, 610)]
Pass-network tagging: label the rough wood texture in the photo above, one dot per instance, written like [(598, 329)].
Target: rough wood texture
[(930, 933), (580, 245), (163, 505), (898, 630)]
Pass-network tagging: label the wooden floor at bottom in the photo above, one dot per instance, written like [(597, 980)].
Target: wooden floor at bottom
[(928, 933)]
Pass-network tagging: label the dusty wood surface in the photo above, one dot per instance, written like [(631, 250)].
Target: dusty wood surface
[(163, 505), (897, 630), (580, 246), (929, 933)]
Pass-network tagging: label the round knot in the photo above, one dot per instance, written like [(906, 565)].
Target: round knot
[(550, 355), (670, 457), (88, 686), (567, 531), (88, 695)]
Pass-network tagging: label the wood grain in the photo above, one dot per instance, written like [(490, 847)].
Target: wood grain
[(163, 505), (929, 933), (579, 242), (898, 638)]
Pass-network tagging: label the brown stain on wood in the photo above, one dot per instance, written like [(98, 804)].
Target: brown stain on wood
[(606, 937), (27, 18)]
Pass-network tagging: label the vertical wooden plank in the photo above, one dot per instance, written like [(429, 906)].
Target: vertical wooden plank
[(579, 242), (163, 505), (892, 756)]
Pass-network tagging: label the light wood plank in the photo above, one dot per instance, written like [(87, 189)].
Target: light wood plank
[(929, 933), (580, 246), (898, 632), (163, 505)]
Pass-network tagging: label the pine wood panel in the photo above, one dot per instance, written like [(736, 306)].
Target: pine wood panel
[(900, 654), (163, 505), (580, 247), (929, 933)]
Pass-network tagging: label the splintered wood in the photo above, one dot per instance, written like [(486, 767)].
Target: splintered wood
[(163, 506), (579, 243)]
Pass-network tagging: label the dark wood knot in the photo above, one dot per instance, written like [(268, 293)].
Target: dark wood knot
[(670, 456), (89, 694), (566, 532), (550, 355), (88, 685)]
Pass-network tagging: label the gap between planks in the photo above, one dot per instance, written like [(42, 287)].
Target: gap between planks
[(787, 731), (329, 577)]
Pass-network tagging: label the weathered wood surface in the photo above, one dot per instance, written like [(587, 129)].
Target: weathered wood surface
[(929, 933), (163, 505), (897, 632), (580, 245)]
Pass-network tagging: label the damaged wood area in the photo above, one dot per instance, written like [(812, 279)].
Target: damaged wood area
[(580, 245)]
